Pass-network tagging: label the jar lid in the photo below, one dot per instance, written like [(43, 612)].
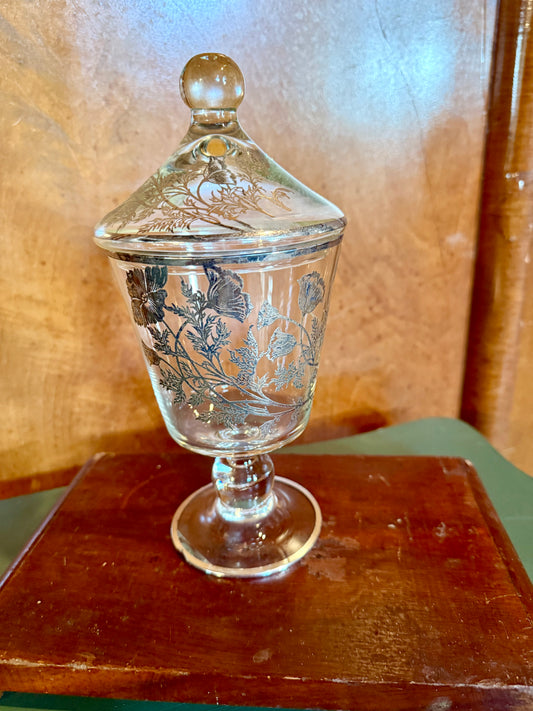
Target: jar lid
[(219, 193)]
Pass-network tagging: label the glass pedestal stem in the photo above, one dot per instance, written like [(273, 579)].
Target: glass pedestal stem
[(247, 522), (244, 486)]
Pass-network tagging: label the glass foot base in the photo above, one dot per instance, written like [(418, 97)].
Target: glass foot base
[(255, 546)]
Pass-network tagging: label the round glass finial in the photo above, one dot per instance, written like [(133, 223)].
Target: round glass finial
[(212, 82)]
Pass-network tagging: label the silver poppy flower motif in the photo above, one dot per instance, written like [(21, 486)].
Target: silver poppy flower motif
[(225, 294), (145, 288), (198, 359), (312, 289), (281, 344)]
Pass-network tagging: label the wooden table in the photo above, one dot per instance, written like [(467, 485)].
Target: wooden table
[(412, 599)]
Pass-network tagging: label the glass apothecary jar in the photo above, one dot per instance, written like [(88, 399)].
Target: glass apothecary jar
[(226, 264)]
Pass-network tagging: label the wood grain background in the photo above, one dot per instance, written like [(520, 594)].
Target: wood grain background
[(498, 389), (379, 107)]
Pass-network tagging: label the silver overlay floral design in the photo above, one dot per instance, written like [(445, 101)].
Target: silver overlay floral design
[(173, 200), (191, 346)]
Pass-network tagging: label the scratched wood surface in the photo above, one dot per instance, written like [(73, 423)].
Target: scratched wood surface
[(380, 110), (412, 598)]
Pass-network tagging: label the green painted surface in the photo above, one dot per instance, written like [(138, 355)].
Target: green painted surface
[(19, 518), (510, 490)]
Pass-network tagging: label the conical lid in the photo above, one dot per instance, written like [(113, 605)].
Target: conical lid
[(218, 193)]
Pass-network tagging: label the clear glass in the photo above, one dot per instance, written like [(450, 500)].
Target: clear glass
[(226, 262), (232, 348)]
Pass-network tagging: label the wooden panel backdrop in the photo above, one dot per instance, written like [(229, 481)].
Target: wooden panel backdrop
[(498, 386), (378, 105)]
